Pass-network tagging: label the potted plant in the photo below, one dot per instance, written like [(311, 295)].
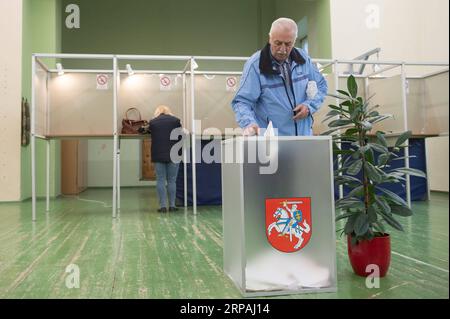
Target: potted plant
[(364, 168)]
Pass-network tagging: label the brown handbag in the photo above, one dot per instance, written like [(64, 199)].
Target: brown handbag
[(132, 126)]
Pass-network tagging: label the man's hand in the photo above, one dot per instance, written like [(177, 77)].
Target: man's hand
[(251, 130), (301, 112)]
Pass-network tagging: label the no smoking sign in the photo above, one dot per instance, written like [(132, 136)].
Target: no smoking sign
[(165, 83), (102, 81), (231, 83)]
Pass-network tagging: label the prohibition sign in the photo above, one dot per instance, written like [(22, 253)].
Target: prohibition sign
[(165, 81), (231, 82), (102, 79)]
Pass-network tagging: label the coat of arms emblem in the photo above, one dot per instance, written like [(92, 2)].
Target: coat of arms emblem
[(288, 223)]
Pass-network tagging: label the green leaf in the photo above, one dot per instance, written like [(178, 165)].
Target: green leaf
[(337, 108), (348, 229), (343, 216), (361, 224), (355, 168), (403, 157), (393, 197), (366, 125), (382, 139), (357, 191), (342, 152), (380, 118), (373, 173), (337, 96), (352, 86), (351, 131), (379, 148), (383, 204), (330, 131), (343, 92), (339, 123), (345, 138), (364, 149), (348, 161), (333, 113), (401, 210), (411, 171), (382, 159), (379, 227), (327, 119), (343, 179), (373, 114), (356, 112), (364, 107), (348, 104), (372, 214), (335, 129), (356, 154), (369, 236), (369, 157), (391, 178), (403, 138), (391, 221), (349, 203)]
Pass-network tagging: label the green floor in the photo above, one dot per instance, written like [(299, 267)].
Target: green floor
[(144, 254)]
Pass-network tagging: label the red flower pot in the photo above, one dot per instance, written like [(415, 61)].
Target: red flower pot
[(374, 252)]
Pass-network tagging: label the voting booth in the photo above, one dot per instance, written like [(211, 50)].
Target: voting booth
[(278, 214)]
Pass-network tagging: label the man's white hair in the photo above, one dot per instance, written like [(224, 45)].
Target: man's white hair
[(284, 24)]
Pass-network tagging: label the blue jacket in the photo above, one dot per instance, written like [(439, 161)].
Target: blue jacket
[(262, 95)]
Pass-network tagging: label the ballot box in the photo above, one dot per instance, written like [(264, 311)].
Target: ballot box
[(278, 215)]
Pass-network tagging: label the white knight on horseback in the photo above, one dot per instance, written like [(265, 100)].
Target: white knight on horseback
[(289, 221)]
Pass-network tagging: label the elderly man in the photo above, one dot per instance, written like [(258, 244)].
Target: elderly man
[(279, 84)]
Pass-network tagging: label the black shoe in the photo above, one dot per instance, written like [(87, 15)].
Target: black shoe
[(173, 209), (162, 210)]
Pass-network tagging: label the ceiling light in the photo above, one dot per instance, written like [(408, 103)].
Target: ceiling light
[(59, 68), (129, 70)]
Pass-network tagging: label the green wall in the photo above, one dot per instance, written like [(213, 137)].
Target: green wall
[(41, 33), (168, 27), (198, 27), (319, 24)]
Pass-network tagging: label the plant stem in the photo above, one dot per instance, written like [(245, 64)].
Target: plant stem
[(362, 143)]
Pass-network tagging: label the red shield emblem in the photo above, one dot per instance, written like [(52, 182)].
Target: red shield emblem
[(288, 223)]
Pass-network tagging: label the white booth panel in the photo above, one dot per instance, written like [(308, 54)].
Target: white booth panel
[(78, 106), (41, 95), (437, 163), (147, 91), (415, 106), (213, 96), (388, 95), (100, 164), (320, 115), (436, 103)]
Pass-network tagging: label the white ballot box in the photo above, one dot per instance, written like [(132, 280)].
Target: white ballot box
[(278, 214)]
